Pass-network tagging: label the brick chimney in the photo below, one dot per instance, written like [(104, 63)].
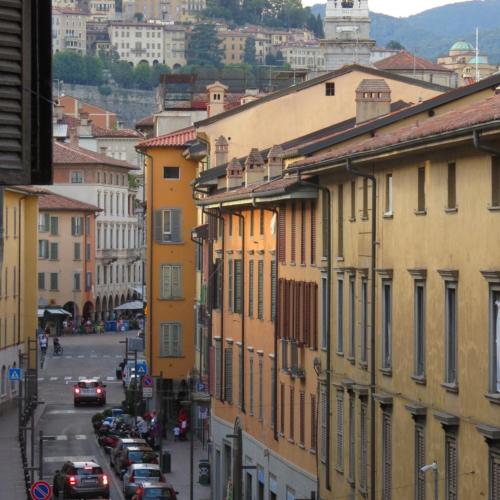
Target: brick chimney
[(84, 129), (221, 151), (58, 112), (373, 100), (216, 98), (254, 168), (73, 136), (275, 162), (234, 174)]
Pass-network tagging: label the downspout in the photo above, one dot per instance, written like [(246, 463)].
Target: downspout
[(242, 374), (483, 147), (373, 372)]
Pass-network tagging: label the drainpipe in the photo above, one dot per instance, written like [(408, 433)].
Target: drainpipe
[(373, 380), (483, 147), (242, 374)]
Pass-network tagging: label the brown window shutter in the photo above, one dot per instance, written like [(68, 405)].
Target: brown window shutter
[(314, 422), (303, 232), (293, 238), (282, 235), (281, 319), (302, 411), (282, 408), (307, 314), (313, 232), (314, 315)]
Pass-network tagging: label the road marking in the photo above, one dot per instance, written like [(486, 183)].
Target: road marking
[(80, 437), (41, 379), (82, 378), (68, 378), (106, 356), (69, 459), (68, 357), (62, 437), (53, 378), (110, 378), (93, 355), (117, 356), (80, 356)]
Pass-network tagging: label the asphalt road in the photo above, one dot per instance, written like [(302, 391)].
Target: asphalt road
[(84, 357)]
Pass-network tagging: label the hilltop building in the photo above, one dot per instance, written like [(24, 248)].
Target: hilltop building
[(69, 30)]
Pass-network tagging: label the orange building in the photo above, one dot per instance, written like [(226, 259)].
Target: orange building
[(99, 116), (171, 255)]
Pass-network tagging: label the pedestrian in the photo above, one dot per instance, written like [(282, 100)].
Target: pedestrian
[(43, 340), (182, 422), (177, 433)]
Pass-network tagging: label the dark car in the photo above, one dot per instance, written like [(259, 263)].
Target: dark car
[(155, 491), (89, 391), (123, 443), (142, 454), (81, 480)]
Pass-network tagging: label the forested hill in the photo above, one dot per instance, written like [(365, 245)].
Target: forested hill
[(432, 32)]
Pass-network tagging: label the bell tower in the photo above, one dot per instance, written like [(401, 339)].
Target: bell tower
[(347, 33)]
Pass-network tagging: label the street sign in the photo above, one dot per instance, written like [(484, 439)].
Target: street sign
[(200, 387), (147, 392), (147, 381), (202, 412), (136, 344), (41, 490), (142, 368), (15, 374)]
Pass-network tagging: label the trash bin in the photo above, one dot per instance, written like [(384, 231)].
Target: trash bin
[(204, 472), (166, 462)]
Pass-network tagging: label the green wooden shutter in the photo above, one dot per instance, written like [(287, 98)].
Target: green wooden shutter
[(54, 251), (176, 225), (54, 226), (175, 339), (237, 286), (176, 277)]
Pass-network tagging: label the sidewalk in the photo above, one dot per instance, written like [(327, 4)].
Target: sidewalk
[(180, 460), (12, 484)]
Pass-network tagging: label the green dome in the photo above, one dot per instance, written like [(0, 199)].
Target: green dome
[(462, 47)]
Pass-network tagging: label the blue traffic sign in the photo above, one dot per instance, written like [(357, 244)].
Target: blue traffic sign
[(147, 381), (15, 374), (41, 490), (142, 368)]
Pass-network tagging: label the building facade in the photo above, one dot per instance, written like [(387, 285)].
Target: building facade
[(150, 9), (69, 30), (174, 54), (303, 55)]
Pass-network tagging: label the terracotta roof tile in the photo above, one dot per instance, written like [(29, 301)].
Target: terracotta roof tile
[(53, 201), (68, 154), (147, 121), (373, 85), (405, 61), (177, 138), (97, 131), (474, 114)]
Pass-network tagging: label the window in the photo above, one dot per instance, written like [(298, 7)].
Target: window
[(260, 290), (352, 439), (170, 339), (282, 235), (303, 233), (43, 249), (340, 431), (419, 461), (494, 473), (218, 284), (54, 226), (251, 221), (76, 177), (171, 173), (282, 409), (76, 251), (168, 228), (230, 284), (273, 290), (171, 281), (302, 416), (41, 281), (451, 346), (228, 374), (313, 232), (293, 236), (76, 281), (43, 222), (451, 466), (340, 227), (240, 226), (261, 387), (314, 423), (273, 393), (419, 330), (452, 186), (388, 194), (54, 282), (340, 315), (329, 89), (88, 281), (421, 190), (352, 318), (363, 445), (387, 455), (292, 414), (364, 322), (495, 341), (76, 226), (54, 251), (251, 382), (217, 367), (250, 288), (386, 325), (353, 201), (238, 284), (365, 198), (495, 181)]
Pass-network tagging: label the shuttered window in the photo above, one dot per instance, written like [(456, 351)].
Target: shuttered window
[(494, 474), (218, 361), (340, 430), (41, 281), (313, 232), (340, 316), (365, 198), (451, 466), (363, 445), (363, 324), (261, 222), (419, 461), (292, 414), (386, 325), (353, 201), (43, 249), (303, 233), (238, 284), (54, 282), (352, 439), (260, 290), (54, 251), (314, 423), (293, 234), (324, 423), (282, 409), (251, 384), (495, 181), (170, 339), (240, 376), (386, 455), (419, 330), (54, 226), (451, 333), (230, 303), (217, 300), (282, 235), (324, 225), (352, 318), (273, 290), (273, 393), (76, 281), (77, 251), (421, 190), (228, 374), (261, 388), (340, 222), (76, 226), (250, 288), (252, 221), (171, 281), (302, 417), (43, 221), (168, 225)]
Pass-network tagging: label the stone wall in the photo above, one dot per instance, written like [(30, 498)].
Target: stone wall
[(129, 105)]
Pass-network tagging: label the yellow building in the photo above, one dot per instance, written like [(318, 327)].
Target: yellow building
[(170, 273), (18, 295), (233, 45)]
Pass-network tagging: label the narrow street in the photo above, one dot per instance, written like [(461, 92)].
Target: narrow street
[(84, 357)]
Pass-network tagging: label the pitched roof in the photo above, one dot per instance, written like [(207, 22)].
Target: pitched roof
[(485, 111), (315, 81), (68, 154), (147, 121), (178, 138), (97, 131), (403, 60), (52, 201)]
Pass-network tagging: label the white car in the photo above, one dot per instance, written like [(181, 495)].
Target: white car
[(137, 474)]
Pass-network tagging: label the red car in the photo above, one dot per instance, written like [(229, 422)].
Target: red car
[(155, 491), (89, 391)]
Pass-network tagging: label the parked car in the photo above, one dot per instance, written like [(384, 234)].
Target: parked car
[(120, 445), (137, 473), (81, 479), (155, 491), (141, 454), (89, 391)]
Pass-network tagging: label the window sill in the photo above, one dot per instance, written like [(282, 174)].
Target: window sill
[(300, 445), (339, 470), (450, 387), (352, 219), (175, 356), (494, 208), (493, 397), (420, 212), (388, 215), (364, 217), (312, 451), (419, 379), (341, 354), (351, 482), (340, 259), (363, 365), (351, 360), (450, 210), (291, 441), (386, 371)]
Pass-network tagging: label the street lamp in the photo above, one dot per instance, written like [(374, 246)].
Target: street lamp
[(433, 467)]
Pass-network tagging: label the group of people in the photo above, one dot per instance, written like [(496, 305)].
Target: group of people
[(181, 428), (43, 341)]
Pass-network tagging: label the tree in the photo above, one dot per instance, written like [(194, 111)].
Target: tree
[(69, 67), (158, 69), (250, 52), (275, 59), (204, 46), (93, 70), (123, 74), (142, 76), (394, 44)]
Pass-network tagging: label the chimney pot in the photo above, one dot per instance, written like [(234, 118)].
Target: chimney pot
[(254, 168), (234, 174), (373, 100)]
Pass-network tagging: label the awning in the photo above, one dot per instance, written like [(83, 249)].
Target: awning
[(130, 306), (53, 311), (138, 291)]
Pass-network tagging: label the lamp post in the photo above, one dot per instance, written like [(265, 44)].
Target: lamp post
[(434, 468)]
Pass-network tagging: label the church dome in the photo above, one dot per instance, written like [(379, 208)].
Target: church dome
[(461, 46)]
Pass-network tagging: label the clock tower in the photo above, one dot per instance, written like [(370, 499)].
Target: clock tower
[(347, 33)]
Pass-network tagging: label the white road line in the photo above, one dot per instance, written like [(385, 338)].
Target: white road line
[(54, 378), (82, 378), (70, 412), (106, 356), (80, 437), (80, 356), (117, 356), (68, 357), (41, 379), (62, 437), (93, 355), (68, 459), (110, 378), (68, 378)]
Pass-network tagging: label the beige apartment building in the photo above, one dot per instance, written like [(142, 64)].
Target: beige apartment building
[(184, 10), (174, 37), (102, 10), (233, 45), (150, 9), (303, 55), (69, 30)]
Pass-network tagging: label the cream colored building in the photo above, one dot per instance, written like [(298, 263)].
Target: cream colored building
[(233, 45), (137, 42), (184, 10), (174, 37), (102, 10), (69, 30), (303, 55), (150, 9)]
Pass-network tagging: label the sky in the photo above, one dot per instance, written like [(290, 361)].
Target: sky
[(398, 8)]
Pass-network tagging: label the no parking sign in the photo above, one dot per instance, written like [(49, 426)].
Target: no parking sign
[(41, 490)]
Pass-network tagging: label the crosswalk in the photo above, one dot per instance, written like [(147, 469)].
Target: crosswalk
[(90, 356), (73, 379)]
